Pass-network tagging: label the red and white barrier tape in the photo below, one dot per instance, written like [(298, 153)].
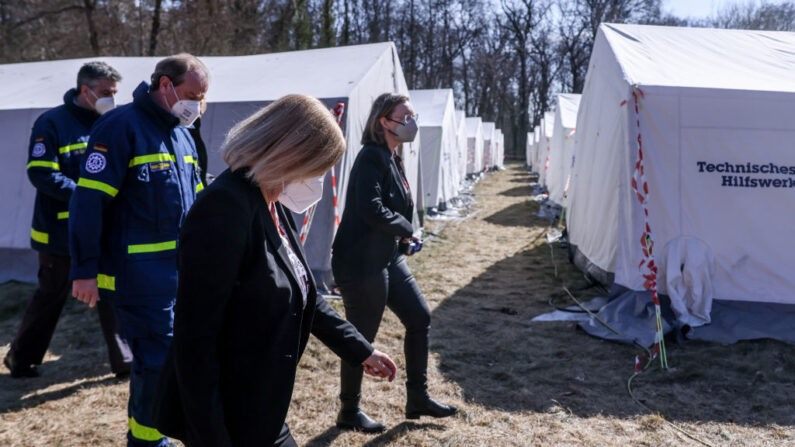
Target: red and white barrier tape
[(338, 112)]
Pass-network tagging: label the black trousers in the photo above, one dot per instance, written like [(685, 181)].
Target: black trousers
[(365, 300), (44, 309)]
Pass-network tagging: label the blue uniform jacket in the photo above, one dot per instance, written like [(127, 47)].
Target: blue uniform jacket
[(138, 180), (57, 144)]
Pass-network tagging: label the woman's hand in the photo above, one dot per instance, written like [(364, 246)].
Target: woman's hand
[(380, 365), (86, 290), (406, 240)]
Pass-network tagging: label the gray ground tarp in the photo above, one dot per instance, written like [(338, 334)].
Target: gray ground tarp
[(632, 314)]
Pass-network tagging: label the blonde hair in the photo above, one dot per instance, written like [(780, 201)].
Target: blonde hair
[(383, 106), (294, 138)]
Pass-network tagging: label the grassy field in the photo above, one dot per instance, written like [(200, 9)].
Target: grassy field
[(517, 383)]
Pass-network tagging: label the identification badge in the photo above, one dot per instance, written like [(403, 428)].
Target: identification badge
[(160, 166)]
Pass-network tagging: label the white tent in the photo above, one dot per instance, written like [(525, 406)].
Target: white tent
[(561, 153), (533, 160), (239, 85), (544, 146), (474, 145), (528, 149), (438, 145), (714, 114), (500, 162), (489, 133), (461, 147)]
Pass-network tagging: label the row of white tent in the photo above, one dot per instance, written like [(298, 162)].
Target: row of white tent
[(701, 123), (452, 145), (347, 78)]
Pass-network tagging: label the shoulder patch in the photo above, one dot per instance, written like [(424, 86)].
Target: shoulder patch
[(100, 147), (95, 163), (40, 139), (38, 149)]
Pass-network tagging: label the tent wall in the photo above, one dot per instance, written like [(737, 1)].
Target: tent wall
[(461, 147), (474, 145), (438, 145), (545, 145), (561, 154), (488, 145)]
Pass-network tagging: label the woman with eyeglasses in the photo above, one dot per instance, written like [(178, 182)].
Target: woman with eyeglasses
[(369, 260)]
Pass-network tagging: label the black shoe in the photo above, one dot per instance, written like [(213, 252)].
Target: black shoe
[(20, 371), (358, 421), (420, 404)]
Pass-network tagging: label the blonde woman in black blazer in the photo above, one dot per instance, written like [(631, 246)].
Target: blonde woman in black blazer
[(247, 301), (369, 266)]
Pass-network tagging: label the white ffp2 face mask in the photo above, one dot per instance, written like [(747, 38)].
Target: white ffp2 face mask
[(186, 110), (104, 104), (299, 196)]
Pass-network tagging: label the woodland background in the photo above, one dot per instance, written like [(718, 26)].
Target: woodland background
[(504, 59)]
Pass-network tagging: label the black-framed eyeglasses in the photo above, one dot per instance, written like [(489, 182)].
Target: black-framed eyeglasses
[(406, 118)]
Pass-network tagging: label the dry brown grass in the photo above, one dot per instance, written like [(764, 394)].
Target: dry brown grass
[(517, 383)]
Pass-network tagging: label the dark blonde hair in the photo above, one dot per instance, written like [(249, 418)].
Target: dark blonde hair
[(294, 138), (383, 106)]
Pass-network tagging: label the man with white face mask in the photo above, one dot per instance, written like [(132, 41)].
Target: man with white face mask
[(57, 145), (139, 178)]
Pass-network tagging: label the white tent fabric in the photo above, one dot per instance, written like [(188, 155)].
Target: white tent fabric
[(561, 153), (438, 144), (716, 120), (528, 149), (499, 142), (461, 148), (239, 85), (534, 150), (544, 146), (474, 145), (488, 144)]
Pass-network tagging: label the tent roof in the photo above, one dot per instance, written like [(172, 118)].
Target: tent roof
[(473, 125), (568, 104), (322, 73), (703, 57), (431, 105)]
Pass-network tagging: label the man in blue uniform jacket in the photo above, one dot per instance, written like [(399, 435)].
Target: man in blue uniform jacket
[(56, 149), (138, 180)]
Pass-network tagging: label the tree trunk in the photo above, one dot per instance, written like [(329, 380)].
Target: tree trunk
[(93, 37), (155, 28)]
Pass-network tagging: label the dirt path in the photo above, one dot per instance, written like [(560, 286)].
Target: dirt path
[(517, 383)]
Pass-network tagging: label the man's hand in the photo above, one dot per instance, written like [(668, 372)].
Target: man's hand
[(86, 290), (380, 365)]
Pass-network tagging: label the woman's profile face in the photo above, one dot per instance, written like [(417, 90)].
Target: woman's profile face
[(402, 113)]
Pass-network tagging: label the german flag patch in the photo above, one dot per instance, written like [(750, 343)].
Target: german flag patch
[(100, 147), (39, 140)]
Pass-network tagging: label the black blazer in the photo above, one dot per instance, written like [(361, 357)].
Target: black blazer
[(377, 213), (239, 327)]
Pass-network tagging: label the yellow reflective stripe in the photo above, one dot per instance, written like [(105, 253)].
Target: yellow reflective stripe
[(143, 432), (44, 164), (151, 248), (93, 184), (72, 147), (63, 215), (143, 159), (38, 236), (189, 159), (106, 282), (199, 187)]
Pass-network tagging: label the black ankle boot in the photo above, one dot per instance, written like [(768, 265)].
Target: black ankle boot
[(419, 403), (353, 418)]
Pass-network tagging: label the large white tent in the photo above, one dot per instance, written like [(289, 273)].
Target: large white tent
[(240, 85), (438, 145), (489, 134), (561, 152), (713, 112), (532, 160), (474, 145), (544, 146)]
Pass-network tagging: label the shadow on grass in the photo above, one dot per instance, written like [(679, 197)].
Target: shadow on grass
[(519, 191), (77, 344), (503, 361), (326, 438), (518, 214)]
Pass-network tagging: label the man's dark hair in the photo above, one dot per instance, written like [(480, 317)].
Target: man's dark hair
[(93, 71), (175, 67)]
